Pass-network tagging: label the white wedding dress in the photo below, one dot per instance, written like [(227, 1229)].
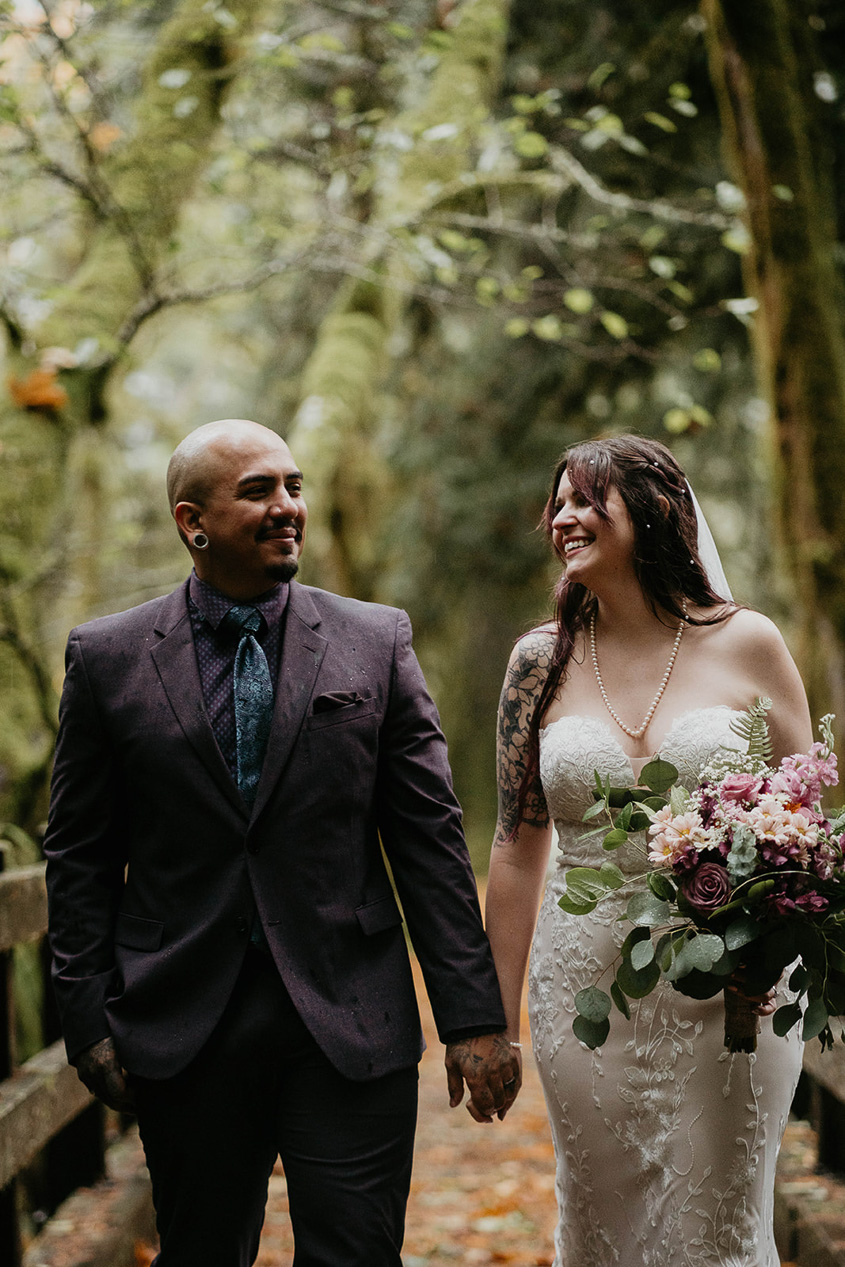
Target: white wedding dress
[(665, 1144)]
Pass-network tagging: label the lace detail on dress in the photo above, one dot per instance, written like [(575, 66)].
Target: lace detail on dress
[(666, 1146)]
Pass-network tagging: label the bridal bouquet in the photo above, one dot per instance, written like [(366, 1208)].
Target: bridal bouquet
[(743, 877)]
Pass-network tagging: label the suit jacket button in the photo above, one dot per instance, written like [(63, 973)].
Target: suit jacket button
[(242, 925)]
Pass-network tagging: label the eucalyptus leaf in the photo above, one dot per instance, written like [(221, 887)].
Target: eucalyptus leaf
[(659, 775), (704, 950), (614, 839), (640, 821), (594, 811), (637, 983), (623, 822), (799, 979), (815, 1019), (576, 907), (679, 800), (785, 1017), (642, 954), (611, 874), (661, 886), (647, 910), (622, 1003), (742, 931), (635, 935), (591, 1033), (593, 1003)]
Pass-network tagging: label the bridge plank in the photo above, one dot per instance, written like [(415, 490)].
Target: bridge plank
[(23, 905), (35, 1103)]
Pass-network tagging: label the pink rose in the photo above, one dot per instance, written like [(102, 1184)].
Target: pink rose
[(708, 887), (740, 787)]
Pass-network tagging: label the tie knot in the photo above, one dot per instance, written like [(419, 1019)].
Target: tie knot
[(242, 620)]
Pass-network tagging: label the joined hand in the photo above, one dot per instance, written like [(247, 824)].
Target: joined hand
[(492, 1069)]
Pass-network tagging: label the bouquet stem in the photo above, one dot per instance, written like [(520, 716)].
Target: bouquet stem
[(742, 1024)]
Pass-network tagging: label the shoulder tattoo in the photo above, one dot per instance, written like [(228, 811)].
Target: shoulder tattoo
[(524, 681)]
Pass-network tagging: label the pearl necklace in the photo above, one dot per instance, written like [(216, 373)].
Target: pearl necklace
[(643, 727)]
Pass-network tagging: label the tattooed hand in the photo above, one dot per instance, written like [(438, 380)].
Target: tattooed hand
[(104, 1076), (492, 1069)]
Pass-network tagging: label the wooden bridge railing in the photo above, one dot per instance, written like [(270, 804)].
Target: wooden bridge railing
[(46, 1114)]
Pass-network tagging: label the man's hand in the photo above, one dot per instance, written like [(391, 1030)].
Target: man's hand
[(104, 1076), (492, 1068)]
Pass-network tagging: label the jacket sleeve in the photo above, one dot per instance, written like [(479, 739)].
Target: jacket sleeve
[(85, 859), (422, 835)]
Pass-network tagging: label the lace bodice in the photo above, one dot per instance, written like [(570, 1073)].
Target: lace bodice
[(573, 748)]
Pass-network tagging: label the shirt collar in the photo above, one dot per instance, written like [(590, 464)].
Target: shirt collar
[(212, 605)]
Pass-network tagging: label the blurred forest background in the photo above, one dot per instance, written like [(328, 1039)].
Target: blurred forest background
[(431, 243)]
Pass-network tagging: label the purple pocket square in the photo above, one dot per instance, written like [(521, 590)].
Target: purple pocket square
[(337, 699)]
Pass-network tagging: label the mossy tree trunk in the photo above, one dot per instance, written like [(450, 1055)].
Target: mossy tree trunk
[(348, 485), (762, 65), (56, 455)]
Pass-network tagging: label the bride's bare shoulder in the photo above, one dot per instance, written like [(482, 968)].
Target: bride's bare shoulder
[(749, 633)]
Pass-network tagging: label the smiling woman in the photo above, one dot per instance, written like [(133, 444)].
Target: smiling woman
[(236, 495), (665, 1153)]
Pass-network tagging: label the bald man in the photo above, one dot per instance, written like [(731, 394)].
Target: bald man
[(228, 951)]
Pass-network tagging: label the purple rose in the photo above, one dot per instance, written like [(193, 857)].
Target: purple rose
[(708, 888), (740, 787)]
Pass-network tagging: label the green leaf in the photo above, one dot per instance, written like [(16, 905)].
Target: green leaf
[(612, 876), (679, 800), (799, 979), (659, 121), (759, 890), (741, 932), (594, 811), (637, 983), (614, 838), (615, 325), (635, 935), (620, 1001), (785, 1017), (659, 775), (591, 1033), (579, 300), (815, 1019), (576, 907), (531, 145), (623, 821), (704, 950), (647, 910), (836, 955), (661, 886), (639, 821), (593, 1003), (642, 954)]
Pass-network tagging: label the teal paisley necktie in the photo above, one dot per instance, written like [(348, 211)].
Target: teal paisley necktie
[(253, 697)]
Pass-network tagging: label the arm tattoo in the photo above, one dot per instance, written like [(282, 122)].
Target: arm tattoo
[(524, 681)]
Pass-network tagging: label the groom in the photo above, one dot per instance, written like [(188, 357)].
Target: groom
[(234, 763)]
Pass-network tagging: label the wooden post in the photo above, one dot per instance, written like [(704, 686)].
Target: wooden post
[(10, 1239)]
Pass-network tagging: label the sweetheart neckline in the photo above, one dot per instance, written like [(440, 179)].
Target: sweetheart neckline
[(605, 726)]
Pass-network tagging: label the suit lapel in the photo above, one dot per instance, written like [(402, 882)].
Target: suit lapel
[(175, 659), (302, 653)]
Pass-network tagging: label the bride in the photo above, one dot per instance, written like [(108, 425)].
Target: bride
[(665, 1144)]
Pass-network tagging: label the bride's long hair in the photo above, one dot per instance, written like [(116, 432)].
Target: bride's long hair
[(666, 558)]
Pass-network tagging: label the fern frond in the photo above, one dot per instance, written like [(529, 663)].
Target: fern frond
[(752, 727)]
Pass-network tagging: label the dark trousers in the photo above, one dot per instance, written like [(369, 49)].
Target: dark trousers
[(260, 1088)]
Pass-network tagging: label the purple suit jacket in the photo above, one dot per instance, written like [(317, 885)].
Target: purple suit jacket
[(154, 860)]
